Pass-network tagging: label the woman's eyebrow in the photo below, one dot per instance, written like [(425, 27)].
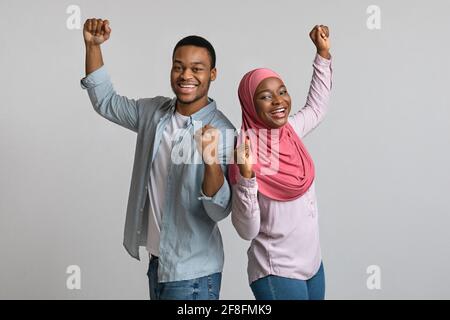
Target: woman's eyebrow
[(268, 90), (261, 91)]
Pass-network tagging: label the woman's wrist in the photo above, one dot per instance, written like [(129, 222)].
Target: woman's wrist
[(247, 174), (324, 54)]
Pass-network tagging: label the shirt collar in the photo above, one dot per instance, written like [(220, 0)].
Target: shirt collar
[(205, 111), (200, 115)]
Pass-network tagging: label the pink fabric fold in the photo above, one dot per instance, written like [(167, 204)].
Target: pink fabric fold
[(283, 167)]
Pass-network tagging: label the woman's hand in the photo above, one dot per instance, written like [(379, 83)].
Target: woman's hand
[(320, 37), (243, 158)]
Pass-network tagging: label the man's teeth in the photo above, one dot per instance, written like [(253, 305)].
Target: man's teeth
[(187, 85)]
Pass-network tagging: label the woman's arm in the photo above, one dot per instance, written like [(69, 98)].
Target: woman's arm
[(305, 120), (245, 214)]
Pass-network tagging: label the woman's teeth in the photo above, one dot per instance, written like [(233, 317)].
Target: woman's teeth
[(279, 113)]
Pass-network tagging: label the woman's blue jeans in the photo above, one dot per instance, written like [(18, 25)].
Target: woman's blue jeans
[(279, 288)]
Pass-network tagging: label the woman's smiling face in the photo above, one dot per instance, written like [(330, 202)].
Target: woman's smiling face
[(272, 102)]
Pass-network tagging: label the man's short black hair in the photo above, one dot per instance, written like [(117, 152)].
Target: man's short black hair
[(198, 42)]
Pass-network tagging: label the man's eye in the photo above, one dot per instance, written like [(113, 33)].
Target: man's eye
[(197, 69), (176, 68)]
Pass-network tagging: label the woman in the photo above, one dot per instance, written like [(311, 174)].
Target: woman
[(274, 201)]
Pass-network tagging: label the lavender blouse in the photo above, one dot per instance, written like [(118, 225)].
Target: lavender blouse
[(285, 234)]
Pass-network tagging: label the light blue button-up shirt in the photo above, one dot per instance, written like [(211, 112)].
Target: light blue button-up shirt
[(190, 240)]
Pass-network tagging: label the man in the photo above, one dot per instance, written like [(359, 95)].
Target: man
[(175, 202)]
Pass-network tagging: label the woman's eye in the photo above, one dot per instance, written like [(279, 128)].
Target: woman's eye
[(283, 92), (267, 97)]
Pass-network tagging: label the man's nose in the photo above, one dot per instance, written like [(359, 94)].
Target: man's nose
[(186, 74)]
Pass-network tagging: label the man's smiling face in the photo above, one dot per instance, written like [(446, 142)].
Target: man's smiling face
[(191, 75)]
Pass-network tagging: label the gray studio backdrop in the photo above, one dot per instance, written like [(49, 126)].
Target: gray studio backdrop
[(381, 154)]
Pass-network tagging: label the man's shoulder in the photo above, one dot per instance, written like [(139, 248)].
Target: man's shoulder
[(221, 121), (157, 101), (149, 107)]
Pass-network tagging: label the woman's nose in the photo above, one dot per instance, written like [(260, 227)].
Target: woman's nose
[(277, 100)]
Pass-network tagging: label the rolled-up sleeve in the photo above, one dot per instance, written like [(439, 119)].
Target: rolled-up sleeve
[(95, 78), (219, 205), (110, 105)]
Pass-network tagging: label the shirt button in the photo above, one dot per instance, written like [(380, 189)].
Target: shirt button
[(138, 232)]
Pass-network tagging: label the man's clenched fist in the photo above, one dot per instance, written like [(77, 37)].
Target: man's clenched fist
[(207, 139), (96, 31)]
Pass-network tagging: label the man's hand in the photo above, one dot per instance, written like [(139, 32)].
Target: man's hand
[(243, 158), (207, 139), (96, 31), (320, 37)]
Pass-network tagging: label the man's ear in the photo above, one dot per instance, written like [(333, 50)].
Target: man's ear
[(213, 74)]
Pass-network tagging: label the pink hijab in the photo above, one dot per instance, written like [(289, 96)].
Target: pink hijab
[(283, 167)]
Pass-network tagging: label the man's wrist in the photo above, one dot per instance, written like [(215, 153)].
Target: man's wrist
[(92, 46), (212, 165)]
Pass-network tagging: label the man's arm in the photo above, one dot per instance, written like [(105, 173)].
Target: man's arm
[(213, 179), (116, 108), (94, 59), (208, 142), (95, 32), (215, 191)]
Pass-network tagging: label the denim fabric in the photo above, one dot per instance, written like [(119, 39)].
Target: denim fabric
[(203, 288), (281, 288)]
